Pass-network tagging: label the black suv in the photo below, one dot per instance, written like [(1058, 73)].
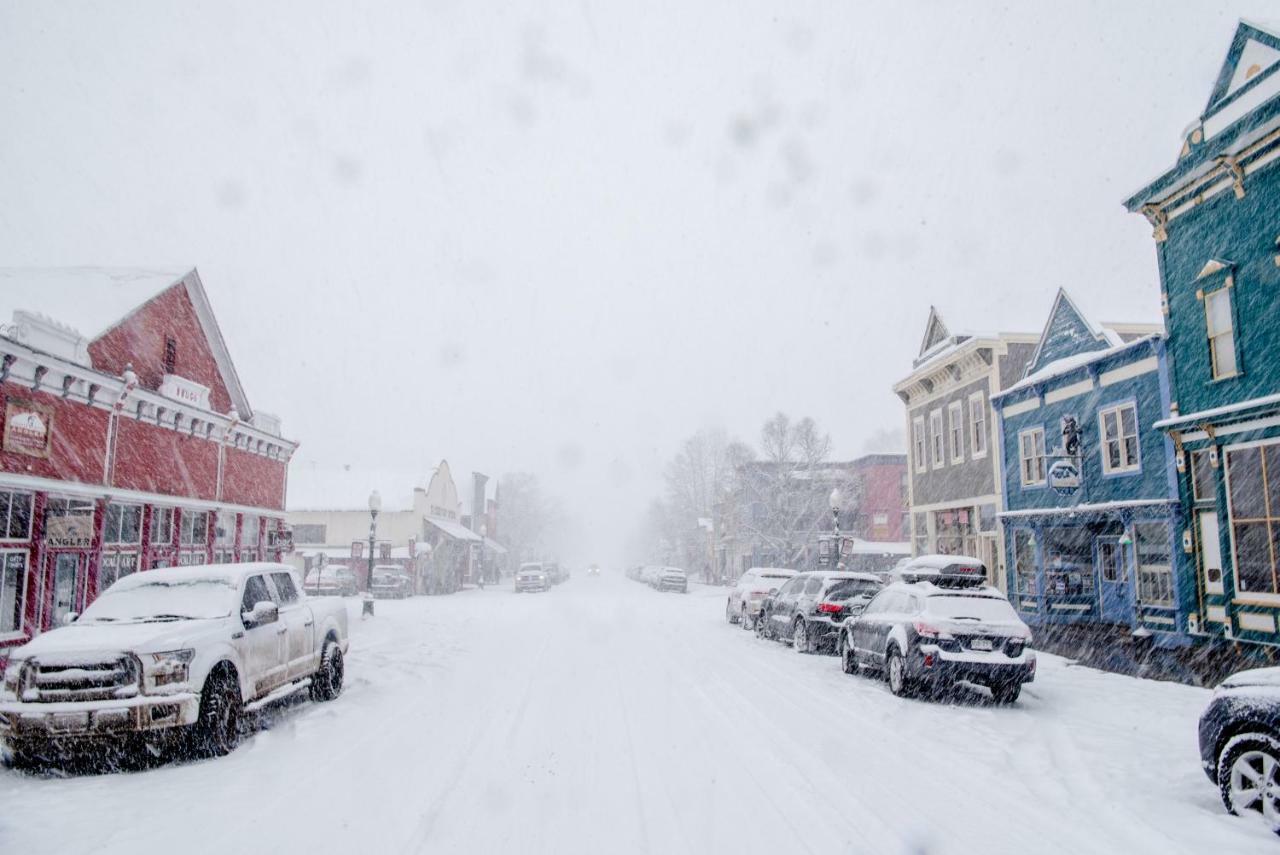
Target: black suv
[(810, 608), (1240, 743)]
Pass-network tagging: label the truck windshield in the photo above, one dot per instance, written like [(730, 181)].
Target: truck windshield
[(163, 599)]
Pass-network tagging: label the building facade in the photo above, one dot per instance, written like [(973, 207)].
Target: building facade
[(1217, 240), (128, 442), (954, 479), (1091, 519), (880, 490)]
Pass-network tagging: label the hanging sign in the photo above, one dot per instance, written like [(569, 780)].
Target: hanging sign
[(28, 428), (1064, 477)]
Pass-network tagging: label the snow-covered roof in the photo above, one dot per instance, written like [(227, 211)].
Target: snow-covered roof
[(90, 300), (1067, 364), (1094, 507), (453, 528), (1216, 412)]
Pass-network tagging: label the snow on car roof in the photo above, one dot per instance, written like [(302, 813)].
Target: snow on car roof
[(938, 561), (234, 573)]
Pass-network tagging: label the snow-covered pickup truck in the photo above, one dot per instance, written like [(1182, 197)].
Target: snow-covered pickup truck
[(177, 653)]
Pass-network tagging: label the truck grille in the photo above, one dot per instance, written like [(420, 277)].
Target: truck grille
[(79, 681)]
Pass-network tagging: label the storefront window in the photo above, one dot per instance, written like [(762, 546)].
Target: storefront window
[(1155, 563), (225, 534), (955, 532), (1068, 564), (1024, 562), (115, 565), (13, 586), (249, 530), (162, 525), (921, 528), (123, 525), (195, 528), (1204, 485), (15, 516), (1253, 476)]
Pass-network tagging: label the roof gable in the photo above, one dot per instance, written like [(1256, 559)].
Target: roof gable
[(935, 331), (1253, 51), (1066, 333)]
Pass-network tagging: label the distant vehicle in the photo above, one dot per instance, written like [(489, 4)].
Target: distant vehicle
[(1240, 743), (672, 579), (171, 654), (745, 597), (533, 576), (391, 582), (649, 574), (941, 623), (809, 610), (332, 580)]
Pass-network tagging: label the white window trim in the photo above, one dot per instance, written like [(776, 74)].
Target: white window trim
[(1022, 458), (1209, 337), (954, 409), (106, 535), (1107, 468), (937, 440), (31, 505), (21, 631), (978, 399), (920, 448)]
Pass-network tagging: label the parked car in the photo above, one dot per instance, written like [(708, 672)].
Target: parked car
[(672, 579), (1240, 743), (745, 597), (649, 574), (941, 623), (532, 576), (332, 580), (171, 654), (391, 582), (809, 610)]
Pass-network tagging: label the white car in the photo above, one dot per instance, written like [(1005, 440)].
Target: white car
[(533, 576), (753, 586), (175, 652)]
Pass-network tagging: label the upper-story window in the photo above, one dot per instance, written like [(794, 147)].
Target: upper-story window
[(170, 355), (955, 416), (918, 444), (977, 426), (936, 439), (1118, 428), (1222, 334), (1031, 447)]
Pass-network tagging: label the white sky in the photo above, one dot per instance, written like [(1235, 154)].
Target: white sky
[(562, 239)]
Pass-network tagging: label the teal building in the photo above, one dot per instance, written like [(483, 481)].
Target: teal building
[(1216, 223)]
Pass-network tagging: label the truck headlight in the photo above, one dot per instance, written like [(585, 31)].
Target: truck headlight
[(169, 666)]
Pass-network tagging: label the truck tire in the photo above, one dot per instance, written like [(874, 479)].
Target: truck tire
[(848, 659), (217, 731), (327, 682), (895, 673)]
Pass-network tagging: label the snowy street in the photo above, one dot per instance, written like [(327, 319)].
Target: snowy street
[(605, 717)]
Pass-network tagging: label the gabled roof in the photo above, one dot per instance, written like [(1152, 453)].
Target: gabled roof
[(1066, 333), (935, 331), (1254, 49)]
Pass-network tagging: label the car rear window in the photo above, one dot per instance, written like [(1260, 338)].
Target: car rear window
[(979, 608), (850, 588)]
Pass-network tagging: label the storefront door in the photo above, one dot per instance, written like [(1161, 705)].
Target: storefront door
[(67, 582), (1113, 580)]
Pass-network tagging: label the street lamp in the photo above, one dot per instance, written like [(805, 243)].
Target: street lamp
[(834, 500), (375, 505)]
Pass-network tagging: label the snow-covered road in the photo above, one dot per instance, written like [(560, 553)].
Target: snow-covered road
[(603, 717)]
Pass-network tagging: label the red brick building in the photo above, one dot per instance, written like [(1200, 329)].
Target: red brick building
[(882, 489), (128, 442)]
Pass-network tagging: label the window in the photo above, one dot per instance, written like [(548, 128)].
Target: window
[(308, 533), (162, 526), (977, 426), (225, 533), (1155, 564), (918, 443), (1068, 561), (935, 437), (195, 528), (285, 588), (1024, 562), (1031, 444), (955, 415), (1118, 427), (1253, 499), (124, 524), (1110, 558), (813, 586), (114, 566), (13, 587), (15, 516), (255, 591), (170, 356), (1221, 330), (1204, 485), (249, 528), (920, 531)]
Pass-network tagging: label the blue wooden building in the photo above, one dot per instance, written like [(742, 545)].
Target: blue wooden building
[(1216, 222), (1091, 517)]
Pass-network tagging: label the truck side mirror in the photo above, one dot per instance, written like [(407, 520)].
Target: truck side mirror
[(263, 612)]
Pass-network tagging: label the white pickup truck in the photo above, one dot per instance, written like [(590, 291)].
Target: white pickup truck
[(176, 652)]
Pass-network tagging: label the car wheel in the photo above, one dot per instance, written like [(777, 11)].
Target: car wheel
[(762, 626), (22, 756), (728, 612), (800, 637), (1249, 777), (217, 731), (327, 682), (1006, 693), (848, 660), (896, 674)]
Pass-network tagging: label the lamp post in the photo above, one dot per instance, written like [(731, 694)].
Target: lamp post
[(834, 500), (375, 505)]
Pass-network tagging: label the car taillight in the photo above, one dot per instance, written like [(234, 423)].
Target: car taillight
[(756, 595), (830, 608), (925, 630)]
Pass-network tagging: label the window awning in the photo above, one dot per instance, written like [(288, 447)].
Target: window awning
[(453, 530), (495, 546)]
